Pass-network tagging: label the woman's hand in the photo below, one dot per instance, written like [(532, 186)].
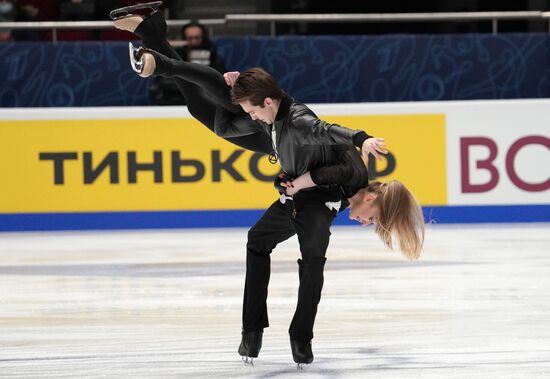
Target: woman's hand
[(290, 189), (231, 77), (300, 183), (374, 146)]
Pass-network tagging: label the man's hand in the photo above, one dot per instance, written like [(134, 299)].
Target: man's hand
[(300, 183), (374, 146), (231, 77)]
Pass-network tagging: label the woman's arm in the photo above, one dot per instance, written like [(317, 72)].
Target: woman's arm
[(227, 124), (351, 172), (302, 182)]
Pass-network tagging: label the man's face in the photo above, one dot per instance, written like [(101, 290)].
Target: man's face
[(193, 36), (264, 113)]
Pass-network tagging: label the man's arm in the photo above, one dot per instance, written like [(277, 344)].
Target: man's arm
[(316, 131)]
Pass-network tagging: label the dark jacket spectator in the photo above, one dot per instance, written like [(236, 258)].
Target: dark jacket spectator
[(13, 10), (198, 49)]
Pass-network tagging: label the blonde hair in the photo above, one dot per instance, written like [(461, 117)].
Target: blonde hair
[(400, 218)]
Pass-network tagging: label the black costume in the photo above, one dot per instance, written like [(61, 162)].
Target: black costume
[(164, 91), (302, 143), (203, 87), (301, 140)]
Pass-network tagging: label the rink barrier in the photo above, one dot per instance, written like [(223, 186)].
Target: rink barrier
[(314, 69), (247, 218), (473, 161), (94, 161)]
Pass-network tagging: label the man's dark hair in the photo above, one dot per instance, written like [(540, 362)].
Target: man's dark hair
[(254, 85)]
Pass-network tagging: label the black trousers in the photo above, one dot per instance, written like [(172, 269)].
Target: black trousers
[(309, 218), (203, 87)]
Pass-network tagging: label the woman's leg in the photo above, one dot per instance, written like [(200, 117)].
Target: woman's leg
[(199, 84), (201, 75), (152, 31), (201, 105)]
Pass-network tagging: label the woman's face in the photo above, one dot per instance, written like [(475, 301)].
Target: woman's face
[(363, 210)]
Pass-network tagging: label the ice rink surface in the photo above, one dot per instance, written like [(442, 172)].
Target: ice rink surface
[(167, 304)]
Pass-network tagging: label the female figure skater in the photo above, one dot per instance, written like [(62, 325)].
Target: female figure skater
[(314, 152)]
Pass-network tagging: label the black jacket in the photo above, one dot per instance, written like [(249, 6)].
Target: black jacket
[(342, 180), (301, 140), (349, 175)]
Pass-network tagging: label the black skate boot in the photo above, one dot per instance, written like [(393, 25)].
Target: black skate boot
[(120, 13), (149, 27), (301, 352), (250, 346), (147, 62)]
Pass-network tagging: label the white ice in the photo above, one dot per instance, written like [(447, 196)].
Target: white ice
[(167, 304)]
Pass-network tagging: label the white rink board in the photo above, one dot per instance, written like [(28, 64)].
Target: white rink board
[(502, 121), (504, 124)]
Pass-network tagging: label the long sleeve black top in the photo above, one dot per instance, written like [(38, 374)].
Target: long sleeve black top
[(350, 174), (339, 181), (300, 139)]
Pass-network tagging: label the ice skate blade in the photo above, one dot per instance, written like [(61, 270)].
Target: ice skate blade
[(248, 361), (300, 366), (116, 14)]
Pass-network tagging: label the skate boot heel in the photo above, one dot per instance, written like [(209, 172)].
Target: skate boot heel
[(251, 343), (147, 62), (301, 353)]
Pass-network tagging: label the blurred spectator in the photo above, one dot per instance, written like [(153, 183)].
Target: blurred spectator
[(196, 48), (8, 11), (75, 10), (176, 8), (12, 10), (199, 48), (40, 10)]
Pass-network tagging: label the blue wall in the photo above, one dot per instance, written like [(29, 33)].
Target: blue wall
[(247, 218), (316, 69)]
